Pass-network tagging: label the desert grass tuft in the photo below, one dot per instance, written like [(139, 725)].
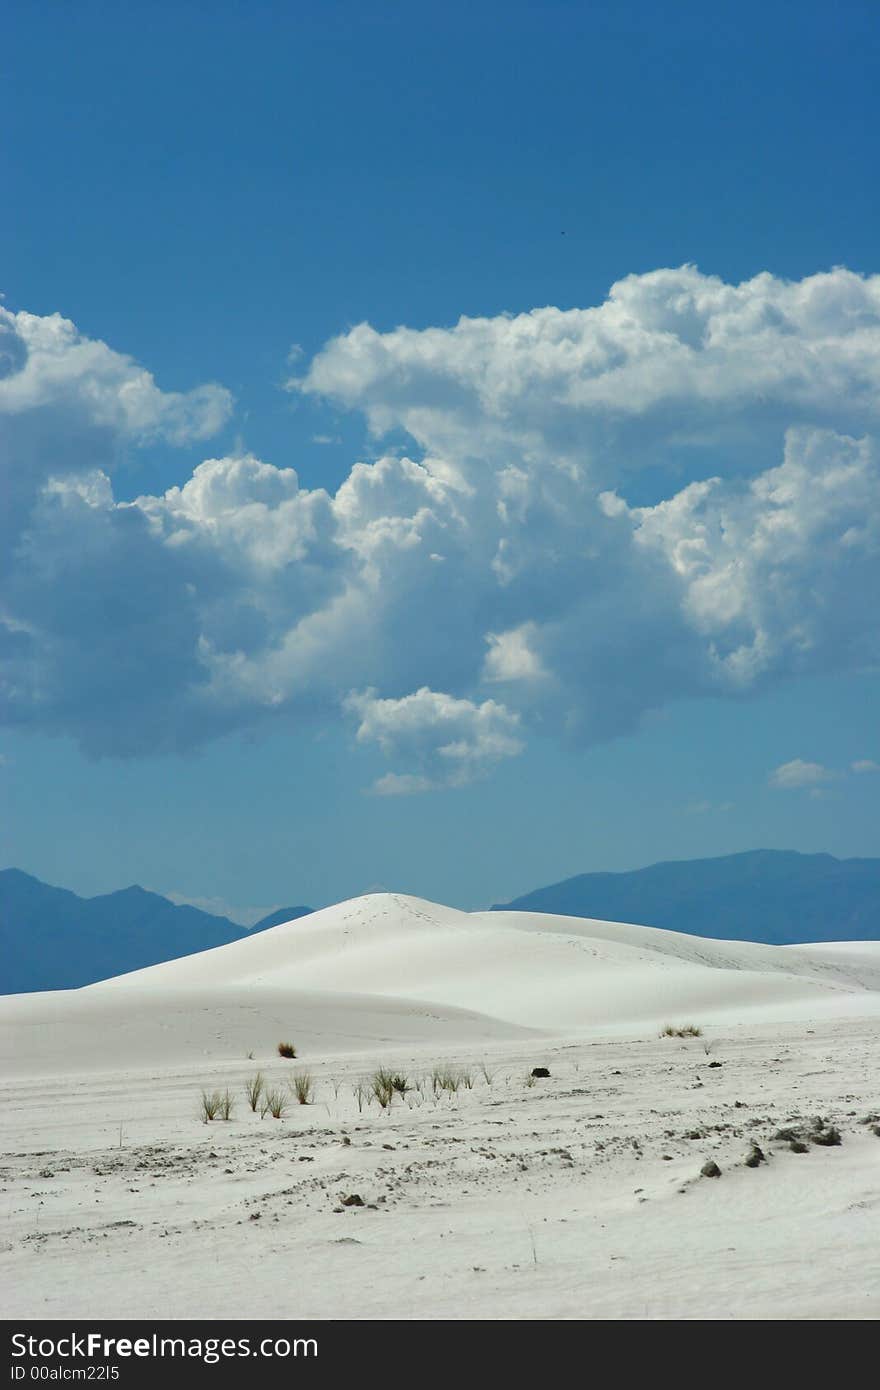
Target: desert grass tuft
[(253, 1089), (274, 1103), (216, 1105), (682, 1030), (303, 1087), (449, 1079), (382, 1086), (211, 1104)]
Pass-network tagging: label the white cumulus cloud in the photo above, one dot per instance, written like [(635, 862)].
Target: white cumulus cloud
[(451, 740), (798, 773), (672, 494)]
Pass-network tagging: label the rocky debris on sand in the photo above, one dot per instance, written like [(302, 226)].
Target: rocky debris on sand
[(789, 1133), (816, 1130), (710, 1169), (354, 1199), (755, 1156), (540, 1071), (828, 1136)]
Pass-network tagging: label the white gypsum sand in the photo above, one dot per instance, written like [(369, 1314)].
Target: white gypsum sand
[(573, 1196)]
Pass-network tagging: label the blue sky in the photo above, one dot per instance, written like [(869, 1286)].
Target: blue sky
[(526, 638)]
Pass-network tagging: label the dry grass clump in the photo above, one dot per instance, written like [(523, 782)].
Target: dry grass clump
[(274, 1103), (381, 1087), (286, 1049), (682, 1030), (450, 1079), (216, 1105), (303, 1087), (253, 1089), (385, 1084)]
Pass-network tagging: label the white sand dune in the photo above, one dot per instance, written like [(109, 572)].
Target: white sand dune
[(577, 1196), (526, 969), (392, 969), (531, 969)]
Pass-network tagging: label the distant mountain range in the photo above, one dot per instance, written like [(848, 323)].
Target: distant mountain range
[(52, 939), (775, 896)]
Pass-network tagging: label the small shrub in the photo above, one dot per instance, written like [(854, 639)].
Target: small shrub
[(361, 1094), (448, 1079), (286, 1049), (274, 1103), (686, 1030), (253, 1089), (211, 1104), (382, 1086), (216, 1105), (303, 1087)]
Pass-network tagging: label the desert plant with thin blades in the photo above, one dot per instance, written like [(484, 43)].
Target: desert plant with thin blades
[(211, 1105), (253, 1089), (303, 1087), (382, 1086), (274, 1103), (449, 1079)]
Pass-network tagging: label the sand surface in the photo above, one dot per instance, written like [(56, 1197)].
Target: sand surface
[(573, 1196)]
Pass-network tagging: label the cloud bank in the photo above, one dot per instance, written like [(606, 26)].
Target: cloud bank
[(673, 494)]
